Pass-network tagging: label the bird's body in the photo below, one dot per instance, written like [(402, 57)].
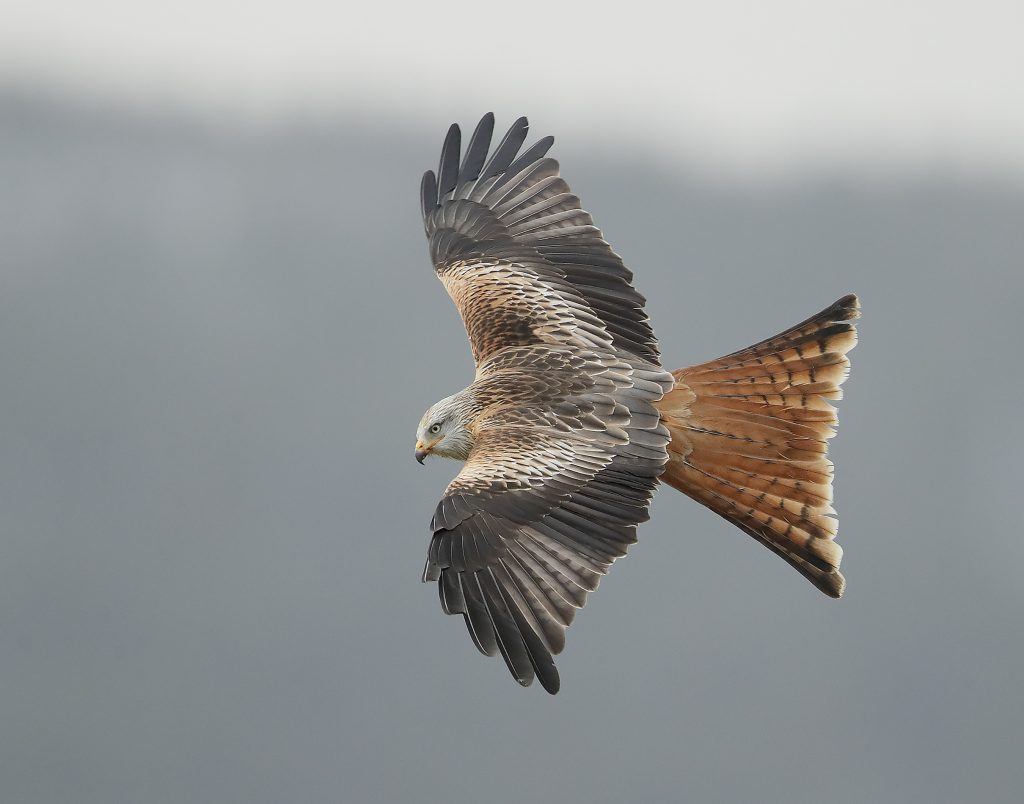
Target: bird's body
[(571, 421)]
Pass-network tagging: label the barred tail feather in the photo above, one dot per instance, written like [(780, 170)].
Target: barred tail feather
[(750, 439)]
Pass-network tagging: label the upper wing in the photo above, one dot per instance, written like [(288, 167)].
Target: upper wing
[(551, 495), (522, 261)]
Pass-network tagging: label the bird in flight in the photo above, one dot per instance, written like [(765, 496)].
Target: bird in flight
[(571, 421)]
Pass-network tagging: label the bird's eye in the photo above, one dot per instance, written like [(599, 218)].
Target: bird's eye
[(435, 428)]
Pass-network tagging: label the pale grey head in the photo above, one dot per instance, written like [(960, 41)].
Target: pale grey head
[(444, 428)]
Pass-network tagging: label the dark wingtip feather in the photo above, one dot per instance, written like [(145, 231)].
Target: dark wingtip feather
[(428, 193), (510, 640), (450, 591), (540, 656), (507, 149), (476, 151), (535, 152), (431, 572), (478, 621), (448, 169)]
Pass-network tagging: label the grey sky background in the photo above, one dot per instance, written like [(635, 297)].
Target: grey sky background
[(737, 87), (219, 327)]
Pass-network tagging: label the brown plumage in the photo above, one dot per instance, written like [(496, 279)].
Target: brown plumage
[(750, 437), (571, 420)]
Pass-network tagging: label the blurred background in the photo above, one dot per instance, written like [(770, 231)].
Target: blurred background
[(219, 328)]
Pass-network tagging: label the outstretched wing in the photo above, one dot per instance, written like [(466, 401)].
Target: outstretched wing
[(569, 446), (551, 495), (520, 258)]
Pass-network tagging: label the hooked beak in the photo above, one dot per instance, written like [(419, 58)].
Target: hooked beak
[(421, 452)]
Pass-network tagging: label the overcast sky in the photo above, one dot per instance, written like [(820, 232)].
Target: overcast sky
[(744, 86), (215, 350), (216, 341)]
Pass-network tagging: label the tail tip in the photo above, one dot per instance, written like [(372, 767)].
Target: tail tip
[(833, 585), (846, 308)]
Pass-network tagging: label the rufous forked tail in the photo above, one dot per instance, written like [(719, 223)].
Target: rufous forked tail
[(750, 438)]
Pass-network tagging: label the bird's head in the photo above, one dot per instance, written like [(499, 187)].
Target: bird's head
[(444, 430)]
